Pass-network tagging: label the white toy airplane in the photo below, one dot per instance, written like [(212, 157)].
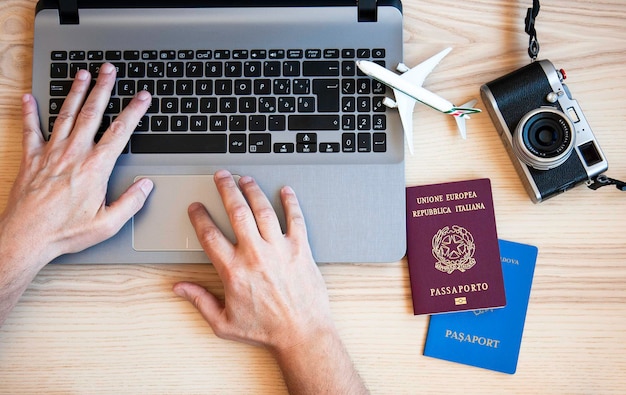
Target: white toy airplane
[(407, 89)]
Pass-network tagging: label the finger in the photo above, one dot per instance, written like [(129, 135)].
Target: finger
[(264, 214), (205, 302), (127, 205), (32, 139), (217, 247), (239, 212), (296, 226), (117, 134), (64, 123), (90, 115)]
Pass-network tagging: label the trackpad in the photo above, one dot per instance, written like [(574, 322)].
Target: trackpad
[(163, 224)]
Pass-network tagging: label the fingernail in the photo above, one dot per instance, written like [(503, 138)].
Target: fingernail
[(222, 174), (246, 180), (82, 75), (143, 95), (106, 68), (26, 98), (179, 291), (146, 185)]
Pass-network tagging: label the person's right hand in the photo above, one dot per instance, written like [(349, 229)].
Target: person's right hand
[(275, 295)]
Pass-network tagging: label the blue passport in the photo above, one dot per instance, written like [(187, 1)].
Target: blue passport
[(489, 338)]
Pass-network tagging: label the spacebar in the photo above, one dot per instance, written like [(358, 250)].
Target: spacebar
[(178, 143)]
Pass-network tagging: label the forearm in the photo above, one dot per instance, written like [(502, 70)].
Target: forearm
[(321, 366)]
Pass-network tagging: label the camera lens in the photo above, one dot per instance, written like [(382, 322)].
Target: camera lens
[(543, 138)]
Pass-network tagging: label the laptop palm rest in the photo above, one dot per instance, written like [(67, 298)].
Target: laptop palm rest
[(163, 224)]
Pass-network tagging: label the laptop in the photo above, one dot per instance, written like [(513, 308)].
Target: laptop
[(261, 88)]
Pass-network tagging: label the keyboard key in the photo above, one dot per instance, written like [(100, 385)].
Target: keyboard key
[(136, 70), (258, 54), (306, 147), (199, 123), (60, 88), (175, 69), (329, 147), (276, 54), (194, 69), (156, 69), (283, 148), (364, 142), (95, 55), (378, 53), (380, 142), (204, 54), (131, 55), (74, 67), (306, 138), (167, 55), (233, 69), (313, 122), (58, 55), (178, 143), (295, 54), (149, 55), (271, 69), (221, 54), (240, 54), (55, 105), (185, 54), (179, 124), (313, 53), (77, 55), (322, 68), (237, 143), (113, 55), (327, 92), (213, 69), (260, 143), (331, 53), (58, 70)]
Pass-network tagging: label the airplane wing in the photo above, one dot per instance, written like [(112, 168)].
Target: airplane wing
[(418, 74), (405, 105)]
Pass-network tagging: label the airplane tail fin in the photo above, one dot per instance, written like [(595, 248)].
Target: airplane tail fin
[(462, 113)]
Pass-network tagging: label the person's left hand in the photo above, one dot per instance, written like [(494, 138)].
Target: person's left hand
[(57, 204)]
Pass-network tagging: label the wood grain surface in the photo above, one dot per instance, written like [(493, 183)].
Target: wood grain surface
[(119, 328)]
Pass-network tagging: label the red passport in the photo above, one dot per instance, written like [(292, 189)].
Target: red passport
[(452, 248)]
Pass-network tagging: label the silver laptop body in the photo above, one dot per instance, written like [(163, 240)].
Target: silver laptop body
[(295, 113)]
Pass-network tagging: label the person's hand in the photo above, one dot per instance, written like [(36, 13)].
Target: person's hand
[(57, 204), (275, 296)]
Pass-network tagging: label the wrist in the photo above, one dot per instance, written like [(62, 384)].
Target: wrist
[(319, 365), (20, 249)]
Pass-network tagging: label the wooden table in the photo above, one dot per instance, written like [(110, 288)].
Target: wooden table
[(119, 328)]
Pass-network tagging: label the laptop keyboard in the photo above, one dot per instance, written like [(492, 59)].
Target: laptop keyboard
[(239, 101)]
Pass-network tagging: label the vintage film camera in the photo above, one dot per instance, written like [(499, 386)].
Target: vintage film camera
[(544, 130)]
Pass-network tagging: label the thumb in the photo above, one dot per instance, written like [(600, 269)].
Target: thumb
[(204, 301), (129, 203)]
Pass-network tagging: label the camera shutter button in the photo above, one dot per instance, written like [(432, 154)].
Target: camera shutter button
[(552, 97)]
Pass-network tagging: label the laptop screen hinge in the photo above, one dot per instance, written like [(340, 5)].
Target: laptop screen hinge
[(367, 10), (68, 12)]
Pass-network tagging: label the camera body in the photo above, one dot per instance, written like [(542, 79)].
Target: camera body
[(544, 130)]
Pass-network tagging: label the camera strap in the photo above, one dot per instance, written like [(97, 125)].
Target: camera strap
[(602, 181), (533, 43)]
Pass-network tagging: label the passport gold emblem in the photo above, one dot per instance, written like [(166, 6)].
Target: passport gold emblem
[(453, 248), (460, 301)]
